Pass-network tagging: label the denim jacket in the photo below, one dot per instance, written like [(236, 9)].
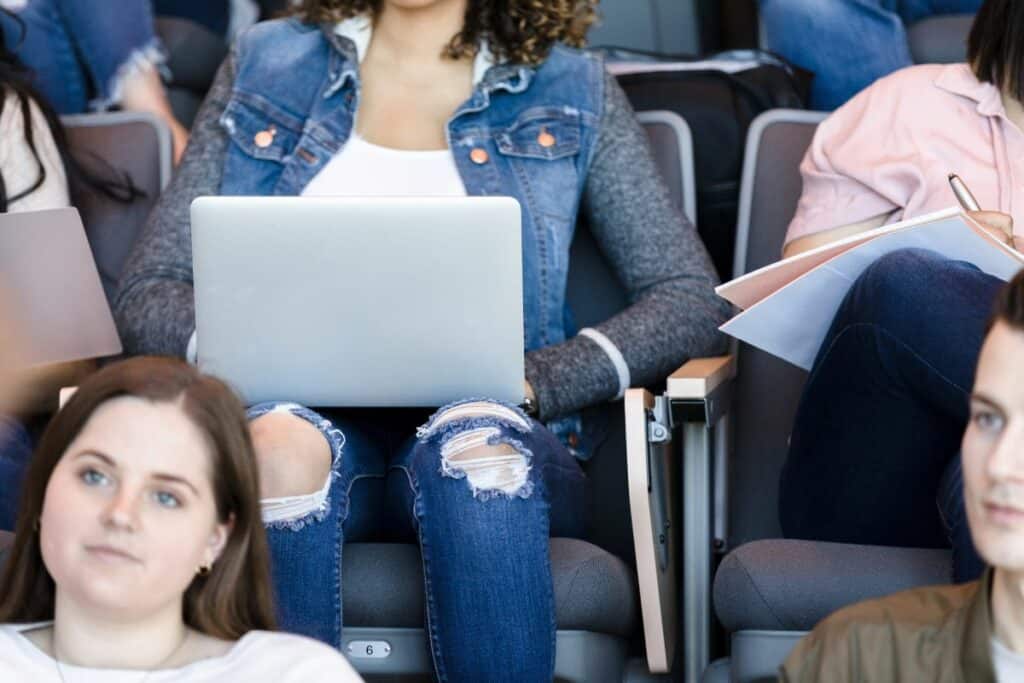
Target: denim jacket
[(525, 132)]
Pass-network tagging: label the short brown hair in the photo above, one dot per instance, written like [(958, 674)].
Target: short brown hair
[(995, 47), (517, 31), (235, 597), (1009, 304)]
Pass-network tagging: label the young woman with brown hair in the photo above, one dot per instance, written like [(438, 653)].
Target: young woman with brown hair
[(139, 549)]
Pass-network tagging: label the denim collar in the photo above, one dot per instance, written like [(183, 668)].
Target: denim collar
[(350, 44)]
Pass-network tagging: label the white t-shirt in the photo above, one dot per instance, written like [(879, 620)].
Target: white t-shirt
[(1009, 665), (363, 169), (259, 656)]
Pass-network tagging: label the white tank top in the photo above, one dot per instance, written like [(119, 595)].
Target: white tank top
[(363, 169)]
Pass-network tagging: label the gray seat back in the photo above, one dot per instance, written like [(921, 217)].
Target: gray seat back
[(940, 40), (134, 144), (767, 389), (666, 26)]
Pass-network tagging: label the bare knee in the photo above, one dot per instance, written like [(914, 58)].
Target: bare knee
[(487, 467), (293, 456)]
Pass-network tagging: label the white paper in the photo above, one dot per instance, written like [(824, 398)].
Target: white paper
[(793, 322)]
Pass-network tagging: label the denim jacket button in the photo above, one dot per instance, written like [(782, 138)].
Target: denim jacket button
[(265, 138), (546, 139), (479, 156)]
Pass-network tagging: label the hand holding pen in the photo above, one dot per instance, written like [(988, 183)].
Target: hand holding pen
[(999, 225)]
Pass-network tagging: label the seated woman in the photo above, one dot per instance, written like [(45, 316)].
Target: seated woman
[(139, 545), (443, 97), (34, 165), (971, 632), (89, 58), (874, 446)]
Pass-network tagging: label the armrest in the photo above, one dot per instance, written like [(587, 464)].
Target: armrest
[(698, 377)]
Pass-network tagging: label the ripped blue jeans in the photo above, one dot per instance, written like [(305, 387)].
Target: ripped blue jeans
[(482, 525)]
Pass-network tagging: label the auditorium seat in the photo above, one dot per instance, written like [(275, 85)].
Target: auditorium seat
[(768, 591), (132, 143)]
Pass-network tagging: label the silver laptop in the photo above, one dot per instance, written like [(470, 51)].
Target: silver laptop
[(49, 276), (360, 302)]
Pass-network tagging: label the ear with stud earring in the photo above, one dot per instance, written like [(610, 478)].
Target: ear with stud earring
[(204, 569)]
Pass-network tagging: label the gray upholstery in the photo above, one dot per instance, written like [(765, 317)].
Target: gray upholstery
[(193, 55), (791, 585), (382, 586), (757, 655), (717, 672), (940, 40), (135, 144), (667, 26), (767, 389)]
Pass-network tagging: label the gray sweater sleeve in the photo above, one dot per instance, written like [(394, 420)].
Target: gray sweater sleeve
[(656, 254), (154, 306)]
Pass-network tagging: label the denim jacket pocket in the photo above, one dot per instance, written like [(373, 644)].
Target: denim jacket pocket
[(259, 128), (542, 133)]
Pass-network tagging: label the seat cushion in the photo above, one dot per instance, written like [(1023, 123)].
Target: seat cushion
[(791, 585), (382, 587), (940, 40)]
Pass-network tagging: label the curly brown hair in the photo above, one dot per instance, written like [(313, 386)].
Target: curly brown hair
[(517, 31)]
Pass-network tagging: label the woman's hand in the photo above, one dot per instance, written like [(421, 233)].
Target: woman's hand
[(999, 225)]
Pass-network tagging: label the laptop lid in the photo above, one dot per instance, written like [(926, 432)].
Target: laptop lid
[(54, 288), (360, 301)]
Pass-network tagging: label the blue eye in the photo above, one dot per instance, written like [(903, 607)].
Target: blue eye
[(988, 421), (93, 478), (167, 500)]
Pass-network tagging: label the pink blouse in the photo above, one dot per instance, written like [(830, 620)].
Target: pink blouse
[(891, 148)]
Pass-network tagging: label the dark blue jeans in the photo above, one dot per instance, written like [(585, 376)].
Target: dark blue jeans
[(848, 44), (487, 575), (78, 49), (15, 451), (873, 457)]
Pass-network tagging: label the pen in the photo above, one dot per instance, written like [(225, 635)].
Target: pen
[(963, 195)]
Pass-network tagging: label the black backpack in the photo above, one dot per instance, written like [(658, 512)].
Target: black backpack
[(718, 96)]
